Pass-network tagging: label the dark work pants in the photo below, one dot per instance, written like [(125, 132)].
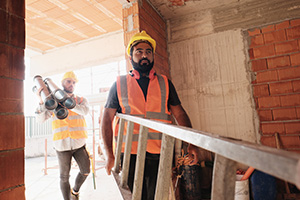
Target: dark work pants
[(64, 159), (150, 174)]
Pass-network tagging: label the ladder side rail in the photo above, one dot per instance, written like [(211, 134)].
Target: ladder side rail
[(279, 163)]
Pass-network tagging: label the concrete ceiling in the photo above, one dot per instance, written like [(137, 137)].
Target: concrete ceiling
[(52, 24)]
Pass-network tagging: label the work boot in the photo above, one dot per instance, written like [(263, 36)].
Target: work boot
[(74, 196)]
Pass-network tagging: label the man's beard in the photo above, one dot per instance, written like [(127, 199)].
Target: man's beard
[(142, 68), (68, 91)]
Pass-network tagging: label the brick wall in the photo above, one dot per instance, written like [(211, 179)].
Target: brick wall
[(275, 60), (144, 17), (12, 44)]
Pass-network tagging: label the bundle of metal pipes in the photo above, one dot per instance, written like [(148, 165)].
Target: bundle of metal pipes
[(54, 98)]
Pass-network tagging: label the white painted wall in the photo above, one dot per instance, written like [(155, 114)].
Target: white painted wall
[(210, 76), (96, 51)]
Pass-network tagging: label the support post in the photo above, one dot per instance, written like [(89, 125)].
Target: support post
[(224, 176), (165, 168), (119, 146), (140, 164), (127, 152)]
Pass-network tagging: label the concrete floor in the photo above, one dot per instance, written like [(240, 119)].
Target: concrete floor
[(45, 187)]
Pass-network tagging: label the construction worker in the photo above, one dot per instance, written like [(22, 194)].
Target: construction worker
[(69, 137), (144, 93)]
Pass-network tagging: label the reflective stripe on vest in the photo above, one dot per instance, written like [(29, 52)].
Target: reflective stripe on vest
[(74, 126), (132, 101)]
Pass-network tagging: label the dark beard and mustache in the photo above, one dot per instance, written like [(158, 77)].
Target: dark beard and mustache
[(142, 68)]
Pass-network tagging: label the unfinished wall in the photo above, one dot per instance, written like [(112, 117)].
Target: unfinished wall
[(12, 137), (212, 82), (275, 58), (140, 15), (209, 60)]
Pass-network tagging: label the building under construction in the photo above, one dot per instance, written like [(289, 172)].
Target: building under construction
[(234, 63)]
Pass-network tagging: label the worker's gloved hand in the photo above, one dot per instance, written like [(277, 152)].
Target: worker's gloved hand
[(193, 152)]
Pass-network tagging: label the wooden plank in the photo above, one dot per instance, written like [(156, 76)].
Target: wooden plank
[(127, 152), (165, 168), (119, 146), (140, 164), (281, 164), (223, 186)]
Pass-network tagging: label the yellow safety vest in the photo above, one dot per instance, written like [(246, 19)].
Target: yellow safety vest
[(73, 126)]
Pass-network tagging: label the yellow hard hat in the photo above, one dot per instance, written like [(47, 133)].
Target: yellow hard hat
[(69, 75), (140, 37)]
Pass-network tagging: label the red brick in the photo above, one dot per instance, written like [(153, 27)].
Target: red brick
[(289, 73), (264, 51), (251, 54), (286, 47), (281, 88), (11, 168), (292, 127), (272, 128), (281, 61), (4, 60), (154, 14), (258, 65), (268, 102), (268, 141), (295, 22), (16, 35), (293, 33), (268, 29), (284, 114), (12, 136), (266, 76), (275, 36), (11, 106), (7, 92), (257, 40), (254, 32), (16, 62), (3, 4), (17, 8), (282, 25), (265, 115), (15, 193), (298, 112), (289, 141), (290, 100), (4, 27), (295, 59), (296, 85), (261, 90)]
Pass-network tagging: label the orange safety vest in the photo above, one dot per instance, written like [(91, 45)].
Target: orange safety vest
[(73, 126), (132, 101)]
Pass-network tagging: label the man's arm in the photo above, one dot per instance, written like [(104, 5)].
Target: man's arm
[(107, 137), (183, 119), (81, 108)]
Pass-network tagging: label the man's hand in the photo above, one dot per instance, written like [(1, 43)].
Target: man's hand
[(110, 161), (193, 152), (39, 95)]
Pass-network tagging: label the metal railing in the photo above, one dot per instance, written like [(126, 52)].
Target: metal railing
[(34, 129), (228, 152)]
